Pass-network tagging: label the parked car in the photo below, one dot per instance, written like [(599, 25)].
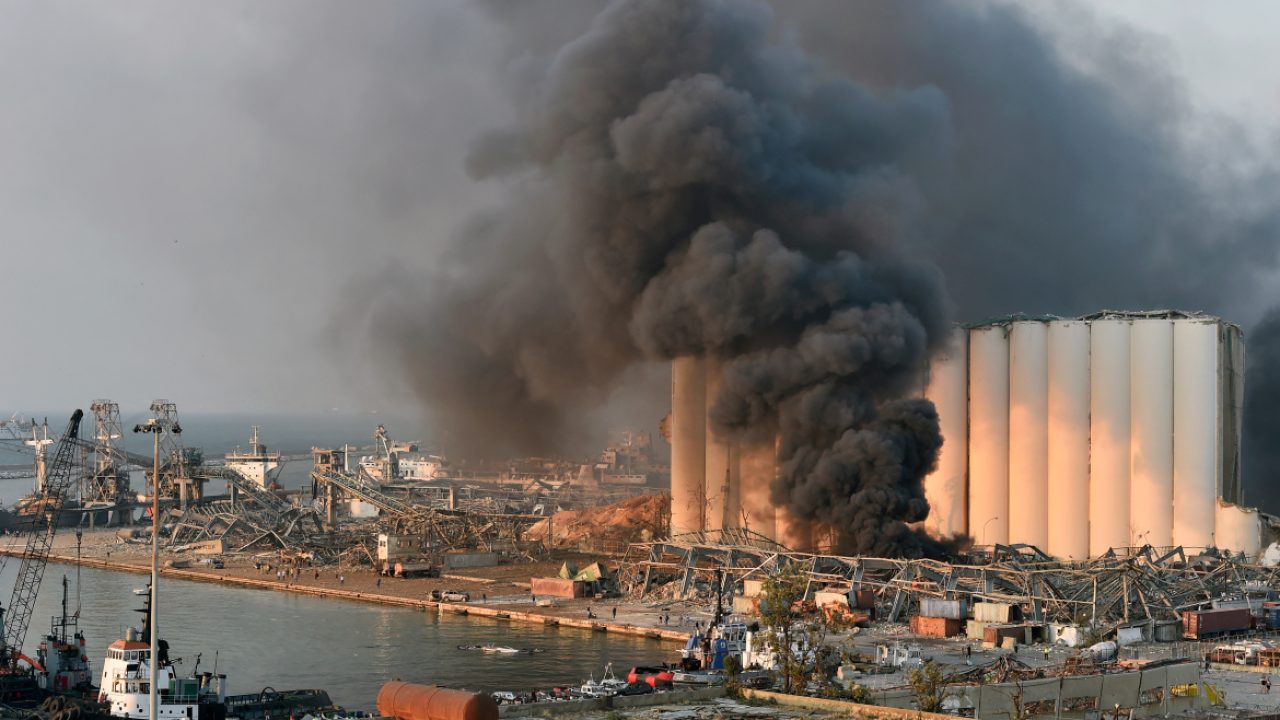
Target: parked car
[(450, 595), (636, 688)]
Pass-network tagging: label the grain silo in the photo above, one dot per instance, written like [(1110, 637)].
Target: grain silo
[(1079, 435), (715, 483)]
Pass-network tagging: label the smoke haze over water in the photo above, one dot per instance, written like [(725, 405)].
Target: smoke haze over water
[(786, 192)]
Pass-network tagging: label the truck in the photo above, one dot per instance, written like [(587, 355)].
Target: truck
[(1201, 624)]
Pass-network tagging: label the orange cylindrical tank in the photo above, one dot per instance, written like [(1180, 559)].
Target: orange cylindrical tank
[(410, 701)]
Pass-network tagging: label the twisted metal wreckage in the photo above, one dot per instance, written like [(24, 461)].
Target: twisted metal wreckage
[(1123, 587), (253, 518)]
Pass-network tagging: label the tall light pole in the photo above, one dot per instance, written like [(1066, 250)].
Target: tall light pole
[(155, 426), (984, 529)]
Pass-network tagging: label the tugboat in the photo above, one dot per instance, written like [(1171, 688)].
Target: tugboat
[(126, 680), (703, 658), (62, 666)]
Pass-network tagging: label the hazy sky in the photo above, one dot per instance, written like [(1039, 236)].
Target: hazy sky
[(189, 191)]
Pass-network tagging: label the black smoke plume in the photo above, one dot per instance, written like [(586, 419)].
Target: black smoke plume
[(678, 183)]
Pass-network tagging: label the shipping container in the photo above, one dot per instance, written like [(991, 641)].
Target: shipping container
[(468, 559), (1168, 631), (557, 587), (990, 612), (1198, 624), (938, 608), (936, 626), (996, 633)]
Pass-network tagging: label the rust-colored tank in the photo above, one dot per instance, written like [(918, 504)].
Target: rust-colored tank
[(410, 701)]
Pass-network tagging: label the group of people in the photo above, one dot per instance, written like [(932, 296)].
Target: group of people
[(591, 613)]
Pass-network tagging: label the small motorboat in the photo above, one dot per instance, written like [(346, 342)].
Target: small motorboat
[(608, 686), (654, 677), (142, 591), (502, 649), (499, 649)]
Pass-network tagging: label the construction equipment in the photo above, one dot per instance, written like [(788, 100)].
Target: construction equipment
[(35, 556)]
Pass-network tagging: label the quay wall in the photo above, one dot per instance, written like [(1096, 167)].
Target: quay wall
[(418, 603)]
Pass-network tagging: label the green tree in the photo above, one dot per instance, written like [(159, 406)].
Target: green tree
[(783, 590), (929, 687)]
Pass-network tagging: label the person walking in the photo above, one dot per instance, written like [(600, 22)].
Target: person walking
[(615, 612)]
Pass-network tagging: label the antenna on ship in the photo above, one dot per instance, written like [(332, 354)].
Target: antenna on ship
[(79, 537)]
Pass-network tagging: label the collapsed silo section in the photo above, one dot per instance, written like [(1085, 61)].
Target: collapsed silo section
[(723, 504), (1068, 451), (1109, 432), (688, 444), (989, 434), (944, 488), (1238, 529), (1029, 433), (1196, 422), (1151, 443)]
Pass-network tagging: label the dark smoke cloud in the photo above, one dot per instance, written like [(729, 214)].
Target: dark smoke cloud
[(1262, 414), (682, 178), (1068, 191), (679, 184), (1072, 191)]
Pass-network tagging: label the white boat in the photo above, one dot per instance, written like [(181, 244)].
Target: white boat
[(608, 686), (126, 682), (501, 649), (142, 591)]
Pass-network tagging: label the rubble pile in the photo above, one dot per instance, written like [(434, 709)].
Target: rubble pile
[(633, 520)]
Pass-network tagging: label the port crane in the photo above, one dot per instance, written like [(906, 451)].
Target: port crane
[(39, 541)]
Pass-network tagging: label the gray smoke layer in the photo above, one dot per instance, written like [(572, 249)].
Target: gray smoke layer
[(680, 184)]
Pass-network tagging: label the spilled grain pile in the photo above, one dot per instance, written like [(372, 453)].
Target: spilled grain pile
[(636, 519)]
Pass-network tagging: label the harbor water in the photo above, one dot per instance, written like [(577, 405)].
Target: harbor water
[(262, 638)]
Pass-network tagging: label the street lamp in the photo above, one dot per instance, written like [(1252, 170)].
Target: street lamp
[(984, 529), (155, 426)]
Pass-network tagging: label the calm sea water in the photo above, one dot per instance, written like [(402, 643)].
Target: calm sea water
[(264, 638)]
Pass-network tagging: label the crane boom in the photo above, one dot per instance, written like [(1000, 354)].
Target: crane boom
[(39, 541)]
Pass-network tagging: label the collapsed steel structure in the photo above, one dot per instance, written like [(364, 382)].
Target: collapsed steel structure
[(1123, 587)]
